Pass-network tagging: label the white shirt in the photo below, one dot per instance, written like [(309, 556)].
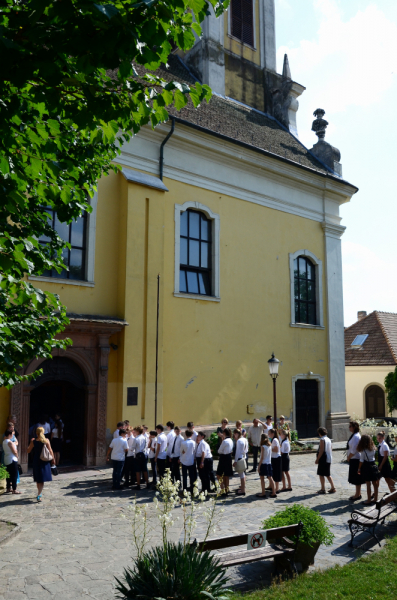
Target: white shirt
[(383, 447), (285, 447), (241, 448), (170, 441), (9, 456), (203, 447), (275, 448), (152, 447), (175, 449), (254, 434), (267, 455), (116, 434), (267, 427), (140, 444), (226, 447), (367, 456), (327, 448), (162, 442), (45, 426), (193, 436), (188, 449), (118, 445), (55, 433), (131, 446), (353, 443)]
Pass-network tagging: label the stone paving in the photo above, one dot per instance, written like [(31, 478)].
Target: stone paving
[(73, 544)]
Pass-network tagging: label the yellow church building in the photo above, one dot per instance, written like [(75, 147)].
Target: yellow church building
[(216, 244)]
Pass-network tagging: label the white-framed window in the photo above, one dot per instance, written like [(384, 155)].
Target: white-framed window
[(306, 285), (81, 258), (196, 252)]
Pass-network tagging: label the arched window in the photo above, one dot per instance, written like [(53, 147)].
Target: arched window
[(374, 402), (305, 291), (242, 21), (195, 253)]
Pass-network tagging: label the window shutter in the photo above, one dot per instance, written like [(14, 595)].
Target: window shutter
[(242, 21)]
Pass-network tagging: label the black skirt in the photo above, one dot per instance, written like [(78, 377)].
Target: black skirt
[(285, 463), (324, 467), (266, 470), (386, 471), (276, 467), (354, 477), (368, 471), (56, 444), (225, 466)]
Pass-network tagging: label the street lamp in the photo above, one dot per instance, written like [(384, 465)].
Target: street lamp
[(274, 364)]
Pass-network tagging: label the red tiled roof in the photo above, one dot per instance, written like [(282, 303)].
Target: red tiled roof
[(380, 347)]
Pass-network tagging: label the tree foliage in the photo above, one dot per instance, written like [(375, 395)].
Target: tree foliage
[(391, 390), (70, 97)]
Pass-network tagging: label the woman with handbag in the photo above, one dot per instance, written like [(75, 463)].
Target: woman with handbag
[(368, 467), (42, 458), (239, 462)]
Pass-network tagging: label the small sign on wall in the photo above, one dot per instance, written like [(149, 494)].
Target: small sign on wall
[(256, 540), (132, 396)]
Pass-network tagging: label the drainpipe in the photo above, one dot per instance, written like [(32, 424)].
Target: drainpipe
[(163, 143)]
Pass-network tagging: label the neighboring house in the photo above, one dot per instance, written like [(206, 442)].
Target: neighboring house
[(242, 224), (370, 354)]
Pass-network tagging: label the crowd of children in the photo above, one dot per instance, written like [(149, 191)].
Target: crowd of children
[(189, 456)]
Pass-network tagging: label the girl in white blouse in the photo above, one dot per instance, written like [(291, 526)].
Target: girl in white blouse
[(265, 467), (285, 447), (225, 466), (353, 458), (383, 460), (240, 456), (367, 466), (276, 458)]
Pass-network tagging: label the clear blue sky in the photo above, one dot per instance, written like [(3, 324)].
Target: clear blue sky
[(345, 54)]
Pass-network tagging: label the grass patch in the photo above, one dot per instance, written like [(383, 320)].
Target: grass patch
[(370, 578)]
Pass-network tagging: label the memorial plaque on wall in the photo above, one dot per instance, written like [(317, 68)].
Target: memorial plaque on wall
[(132, 396)]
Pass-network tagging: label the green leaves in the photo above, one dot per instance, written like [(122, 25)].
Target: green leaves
[(74, 88), (391, 390)]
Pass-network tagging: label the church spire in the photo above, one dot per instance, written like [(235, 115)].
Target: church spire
[(286, 68)]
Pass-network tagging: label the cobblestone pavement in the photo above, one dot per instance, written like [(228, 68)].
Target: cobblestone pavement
[(73, 544)]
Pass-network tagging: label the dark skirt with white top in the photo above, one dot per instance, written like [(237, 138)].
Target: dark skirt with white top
[(225, 466), (369, 472), (285, 463), (324, 467), (277, 469), (354, 477)]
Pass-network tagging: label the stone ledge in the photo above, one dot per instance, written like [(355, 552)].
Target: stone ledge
[(10, 533)]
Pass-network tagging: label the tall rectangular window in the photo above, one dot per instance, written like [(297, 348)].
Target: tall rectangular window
[(195, 253), (305, 291), (75, 234), (242, 21)]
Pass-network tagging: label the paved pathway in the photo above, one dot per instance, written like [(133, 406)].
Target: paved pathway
[(73, 544)]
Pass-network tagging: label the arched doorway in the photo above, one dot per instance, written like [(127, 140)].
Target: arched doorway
[(60, 390), (374, 402)]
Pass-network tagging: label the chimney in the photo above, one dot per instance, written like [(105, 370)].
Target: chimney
[(361, 314)]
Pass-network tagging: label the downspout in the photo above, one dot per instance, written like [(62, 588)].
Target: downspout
[(163, 143)]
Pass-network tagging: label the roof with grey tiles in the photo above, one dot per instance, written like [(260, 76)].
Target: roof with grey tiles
[(237, 122), (380, 347)]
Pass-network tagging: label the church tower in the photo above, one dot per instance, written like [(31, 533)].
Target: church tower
[(236, 57)]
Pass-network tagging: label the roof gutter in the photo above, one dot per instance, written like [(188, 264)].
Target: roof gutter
[(163, 143)]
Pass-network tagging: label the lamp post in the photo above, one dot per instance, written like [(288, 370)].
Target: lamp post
[(274, 364)]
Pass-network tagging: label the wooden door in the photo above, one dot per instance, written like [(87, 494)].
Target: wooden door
[(306, 406)]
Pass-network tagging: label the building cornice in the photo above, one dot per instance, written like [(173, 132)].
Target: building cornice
[(333, 230)]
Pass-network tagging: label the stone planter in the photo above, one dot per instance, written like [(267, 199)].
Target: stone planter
[(3, 486), (304, 558)]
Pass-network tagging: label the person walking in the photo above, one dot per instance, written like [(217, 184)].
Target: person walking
[(240, 459), (254, 438), (41, 468), (161, 452), (276, 458), (383, 460), (174, 455), (323, 460), (10, 461), (353, 458), (205, 463), (187, 460), (225, 466), (119, 448), (368, 468), (285, 449), (265, 467), (56, 440)]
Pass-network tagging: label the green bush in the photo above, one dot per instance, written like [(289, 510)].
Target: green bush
[(294, 435), (173, 571), (3, 472), (213, 441), (315, 529)]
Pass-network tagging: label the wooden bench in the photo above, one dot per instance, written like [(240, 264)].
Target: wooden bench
[(369, 519), (278, 544)]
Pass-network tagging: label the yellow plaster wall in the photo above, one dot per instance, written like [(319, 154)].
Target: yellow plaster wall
[(215, 354), (236, 47), (358, 379)]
